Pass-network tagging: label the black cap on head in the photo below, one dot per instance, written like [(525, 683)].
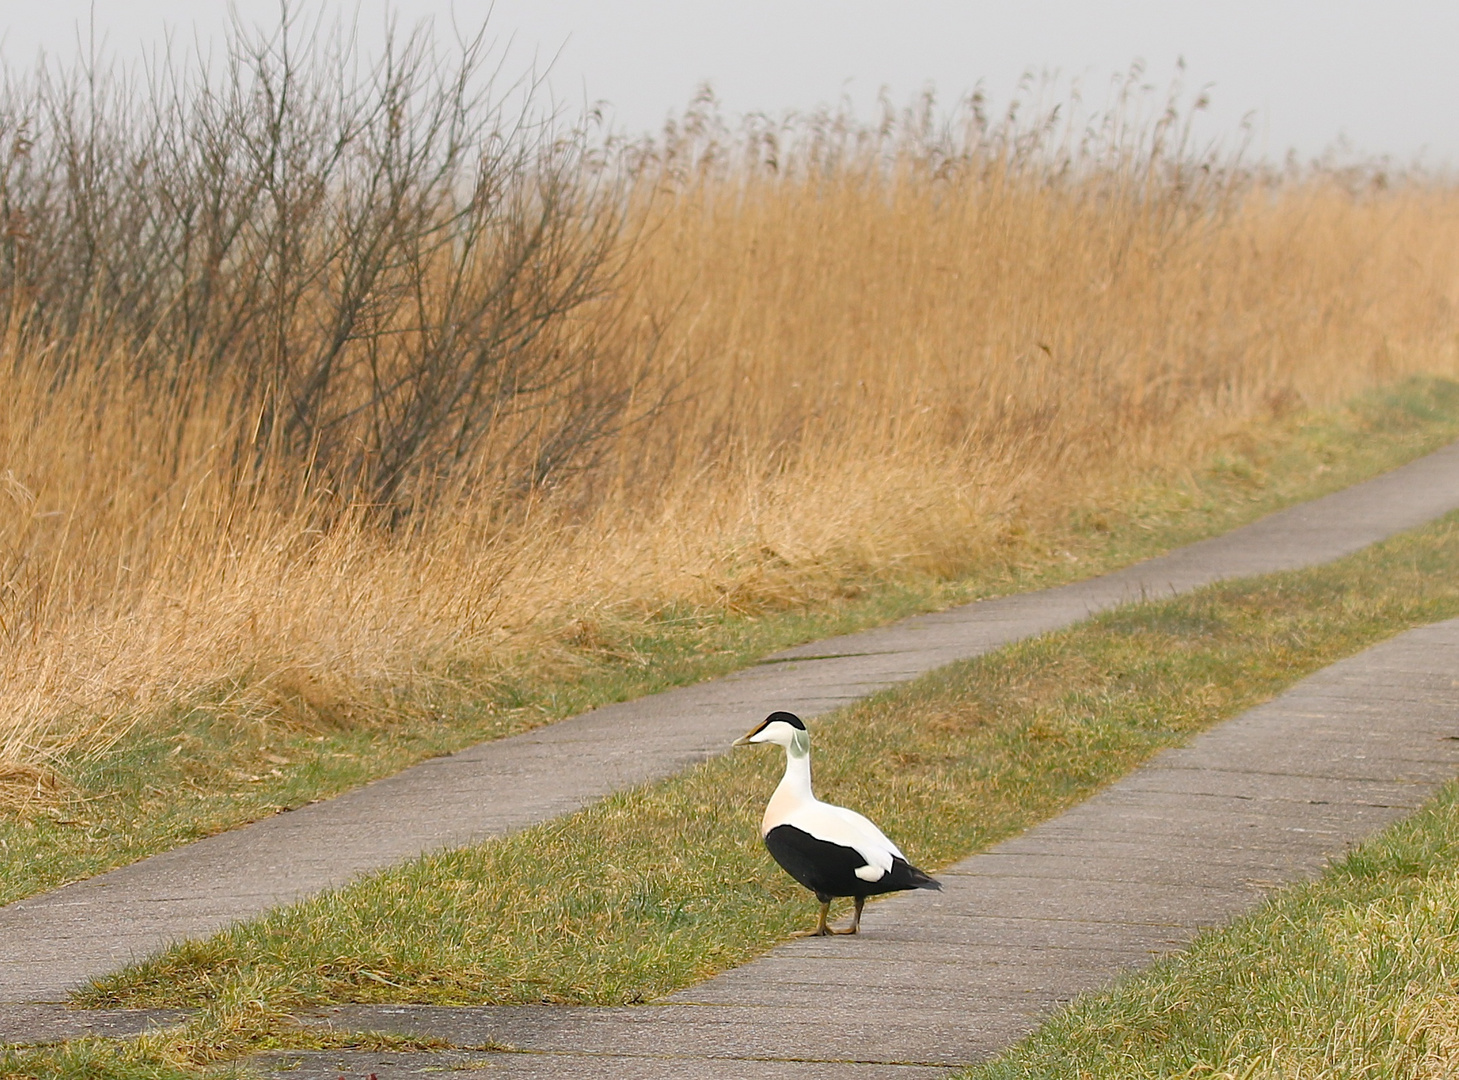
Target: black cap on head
[(784, 718)]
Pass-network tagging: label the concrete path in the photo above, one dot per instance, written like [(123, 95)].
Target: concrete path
[(1192, 839), (53, 943)]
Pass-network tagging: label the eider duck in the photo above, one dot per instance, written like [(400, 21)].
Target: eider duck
[(830, 850)]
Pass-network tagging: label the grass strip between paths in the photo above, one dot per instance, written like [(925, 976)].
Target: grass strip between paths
[(656, 888), (203, 766)]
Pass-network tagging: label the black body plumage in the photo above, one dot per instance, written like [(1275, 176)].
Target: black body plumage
[(829, 870)]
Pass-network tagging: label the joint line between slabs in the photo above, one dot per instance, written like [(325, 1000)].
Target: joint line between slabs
[(770, 661), (626, 1056)]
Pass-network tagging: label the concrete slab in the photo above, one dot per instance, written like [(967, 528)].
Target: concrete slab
[(719, 1038), (331, 1065), (34, 1024)]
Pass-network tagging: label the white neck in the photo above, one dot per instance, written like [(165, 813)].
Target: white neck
[(794, 790)]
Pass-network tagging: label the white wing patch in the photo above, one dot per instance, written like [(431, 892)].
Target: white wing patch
[(837, 825)]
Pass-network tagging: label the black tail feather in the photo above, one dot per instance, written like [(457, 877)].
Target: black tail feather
[(920, 880), (907, 876)]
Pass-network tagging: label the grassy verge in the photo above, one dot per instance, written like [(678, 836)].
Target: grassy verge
[(656, 888), (1350, 976), (208, 766), (163, 1055)]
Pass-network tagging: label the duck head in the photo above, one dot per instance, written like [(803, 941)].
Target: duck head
[(783, 729)]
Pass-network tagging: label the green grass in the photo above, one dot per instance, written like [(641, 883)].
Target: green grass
[(1354, 975), (657, 888), (90, 1059), (201, 1044), (1351, 976), (203, 767)]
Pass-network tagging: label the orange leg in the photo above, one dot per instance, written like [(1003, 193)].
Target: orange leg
[(822, 929), (855, 926)]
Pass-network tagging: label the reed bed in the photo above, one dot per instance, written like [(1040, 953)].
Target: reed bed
[(738, 368)]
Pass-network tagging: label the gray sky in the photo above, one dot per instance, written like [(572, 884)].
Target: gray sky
[(1383, 76)]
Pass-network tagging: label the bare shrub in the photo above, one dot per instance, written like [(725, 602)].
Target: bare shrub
[(378, 268)]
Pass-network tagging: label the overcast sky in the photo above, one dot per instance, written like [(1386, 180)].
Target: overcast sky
[(1382, 76)]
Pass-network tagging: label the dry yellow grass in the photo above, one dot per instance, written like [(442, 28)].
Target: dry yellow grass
[(898, 371), (881, 365)]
